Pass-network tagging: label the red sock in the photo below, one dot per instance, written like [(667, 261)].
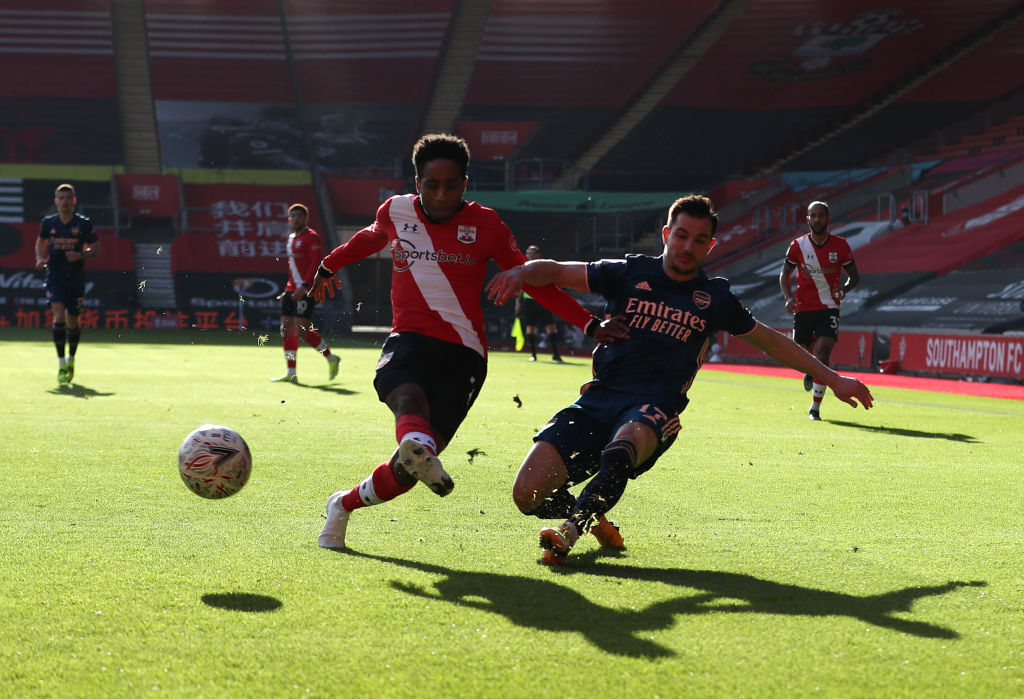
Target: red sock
[(380, 486), (291, 348), (415, 427), (313, 339)]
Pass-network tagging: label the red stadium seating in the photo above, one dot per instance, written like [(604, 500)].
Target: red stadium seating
[(366, 50), (45, 70), (218, 51)]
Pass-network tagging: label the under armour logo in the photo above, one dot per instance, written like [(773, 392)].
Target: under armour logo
[(410, 228)]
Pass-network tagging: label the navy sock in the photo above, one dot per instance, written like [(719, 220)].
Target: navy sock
[(553, 341), (73, 336), (59, 337), (604, 490), (558, 506)]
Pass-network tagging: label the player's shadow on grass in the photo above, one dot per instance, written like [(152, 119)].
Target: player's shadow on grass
[(901, 432), (78, 391), (328, 388), (543, 604), (741, 593), (242, 602)]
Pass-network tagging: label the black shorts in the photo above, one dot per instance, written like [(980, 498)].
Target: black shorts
[(451, 375), (533, 315), (581, 431), (808, 325), (303, 308), (66, 287)]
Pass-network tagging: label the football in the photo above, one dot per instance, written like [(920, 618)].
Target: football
[(214, 461)]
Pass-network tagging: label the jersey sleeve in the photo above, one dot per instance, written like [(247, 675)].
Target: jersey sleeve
[(847, 253), (793, 254), (366, 242), (88, 234), (605, 277), (44, 230), (732, 316)]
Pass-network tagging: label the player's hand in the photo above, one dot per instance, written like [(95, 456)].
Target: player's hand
[(323, 287), (41, 262), (611, 329), (791, 305), (505, 285), (850, 391), (839, 294)]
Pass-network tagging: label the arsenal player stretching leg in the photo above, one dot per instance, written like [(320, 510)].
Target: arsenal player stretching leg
[(628, 416), (433, 364), (819, 259)]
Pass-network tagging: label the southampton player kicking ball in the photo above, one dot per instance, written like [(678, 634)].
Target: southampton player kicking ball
[(433, 364), (628, 415)]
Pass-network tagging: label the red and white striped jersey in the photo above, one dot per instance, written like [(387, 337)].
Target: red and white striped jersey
[(819, 270), (439, 269), (305, 250)]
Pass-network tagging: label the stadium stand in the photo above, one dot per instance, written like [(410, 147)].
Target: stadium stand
[(779, 77), (42, 76), (218, 51), (360, 70), (908, 119), (571, 66)]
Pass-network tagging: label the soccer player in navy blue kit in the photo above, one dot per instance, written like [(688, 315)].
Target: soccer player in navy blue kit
[(628, 415), (66, 239)]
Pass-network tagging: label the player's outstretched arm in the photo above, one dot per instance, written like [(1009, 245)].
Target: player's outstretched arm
[(784, 350), (509, 283), (360, 246)]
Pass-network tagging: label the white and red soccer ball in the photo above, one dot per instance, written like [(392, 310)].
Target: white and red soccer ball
[(214, 461)]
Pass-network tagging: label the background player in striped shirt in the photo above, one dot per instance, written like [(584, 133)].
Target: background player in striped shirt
[(628, 415), (819, 259), (434, 363), (305, 250)]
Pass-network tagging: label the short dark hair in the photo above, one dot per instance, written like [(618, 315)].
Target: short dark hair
[(440, 145), (300, 207), (695, 205)]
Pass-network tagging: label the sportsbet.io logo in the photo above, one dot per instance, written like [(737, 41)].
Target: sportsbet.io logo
[(404, 255)]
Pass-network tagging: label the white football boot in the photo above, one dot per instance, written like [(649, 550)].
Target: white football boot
[(417, 460), (332, 536)]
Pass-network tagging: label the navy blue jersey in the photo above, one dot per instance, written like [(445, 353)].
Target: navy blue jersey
[(671, 324), (64, 237)]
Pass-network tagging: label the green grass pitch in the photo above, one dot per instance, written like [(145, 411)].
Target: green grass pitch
[(873, 554)]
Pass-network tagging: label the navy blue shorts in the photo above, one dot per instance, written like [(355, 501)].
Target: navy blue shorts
[(808, 325), (533, 315), (451, 375), (303, 308), (581, 431), (67, 288)]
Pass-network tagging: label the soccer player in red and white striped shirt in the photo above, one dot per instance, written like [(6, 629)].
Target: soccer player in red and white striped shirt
[(305, 249), (433, 364), (820, 260)]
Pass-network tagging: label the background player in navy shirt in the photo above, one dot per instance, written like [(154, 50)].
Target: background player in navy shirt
[(65, 240), (628, 415)]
